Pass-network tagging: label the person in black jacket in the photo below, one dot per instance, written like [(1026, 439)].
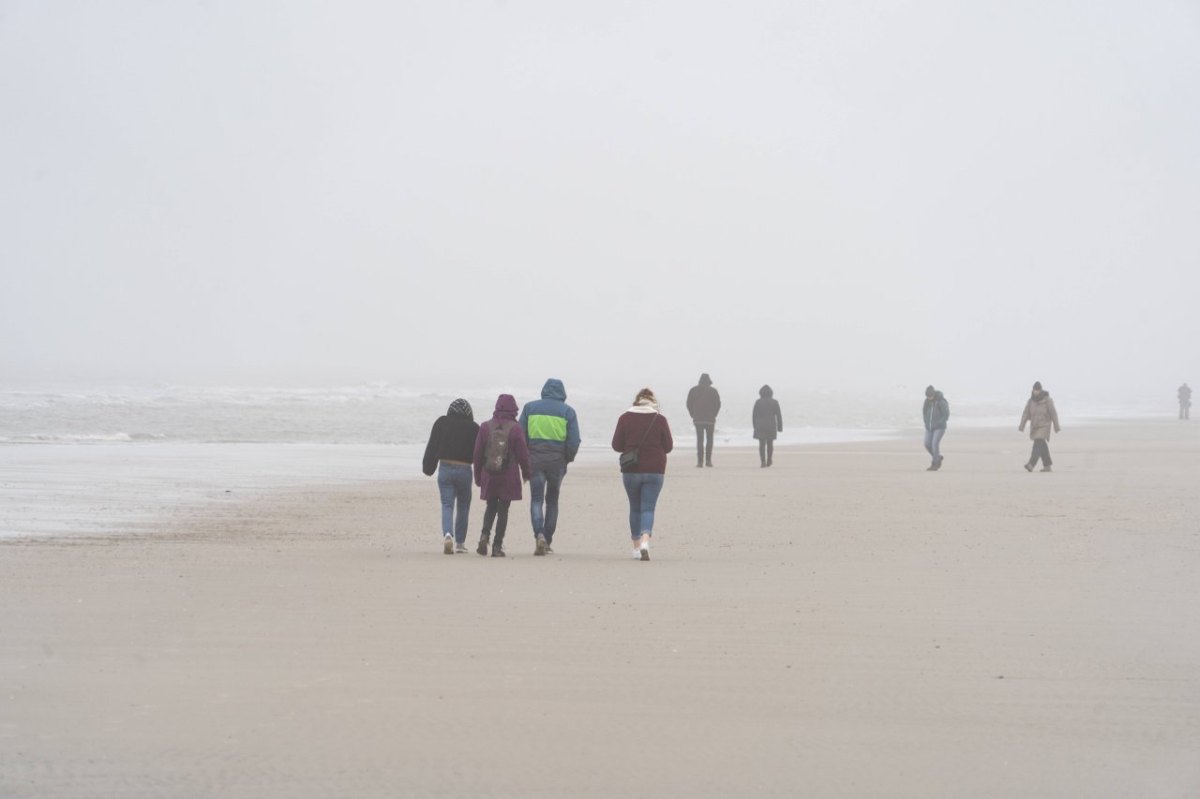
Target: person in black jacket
[(704, 403), (449, 452), (767, 420)]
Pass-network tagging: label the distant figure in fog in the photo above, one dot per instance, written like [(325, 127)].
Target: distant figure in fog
[(1185, 401), (935, 412), (449, 452), (704, 403), (642, 429), (501, 461), (1040, 415), (552, 432), (767, 420)]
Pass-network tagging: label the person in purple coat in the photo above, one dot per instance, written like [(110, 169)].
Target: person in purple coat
[(501, 463)]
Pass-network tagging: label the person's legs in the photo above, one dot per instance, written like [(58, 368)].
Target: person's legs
[(929, 444), (770, 452), (1041, 451), (554, 479), (936, 447), (651, 487), (699, 444), (762, 452), (537, 492), (463, 504), (448, 491), (633, 490), (501, 525), (489, 516), (708, 443)]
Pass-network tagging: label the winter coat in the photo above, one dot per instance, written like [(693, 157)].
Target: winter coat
[(452, 438), (935, 412), (703, 401), (551, 427), (767, 418), (1040, 414), (635, 431), (1185, 395), (505, 485)]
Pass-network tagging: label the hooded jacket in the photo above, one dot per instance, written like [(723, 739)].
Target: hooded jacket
[(767, 418), (505, 485), (703, 401), (551, 427), (452, 438), (1040, 413), (935, 411)]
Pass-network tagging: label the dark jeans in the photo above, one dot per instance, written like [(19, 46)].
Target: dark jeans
[(766, 449), (497, 511), (454, 484), (544, 484), (1041, 449), (704, 447)]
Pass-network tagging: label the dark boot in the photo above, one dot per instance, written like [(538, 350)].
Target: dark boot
[(498, 546), (483, 542)]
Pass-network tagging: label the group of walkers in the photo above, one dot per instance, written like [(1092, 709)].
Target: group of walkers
[(506, 451), (499, 456), (1040, 414), (703, 405)]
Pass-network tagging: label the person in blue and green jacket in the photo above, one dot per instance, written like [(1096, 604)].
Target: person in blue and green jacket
[(552, 430)]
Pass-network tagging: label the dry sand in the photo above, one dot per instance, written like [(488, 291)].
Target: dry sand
[(844, 624)]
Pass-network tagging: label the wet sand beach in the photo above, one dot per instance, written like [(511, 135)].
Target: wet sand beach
[(842, 624)]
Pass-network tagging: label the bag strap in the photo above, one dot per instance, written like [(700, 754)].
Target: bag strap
[(646, 434)]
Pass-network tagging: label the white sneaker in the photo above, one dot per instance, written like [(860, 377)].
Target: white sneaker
[(448, 544), (637, 554)]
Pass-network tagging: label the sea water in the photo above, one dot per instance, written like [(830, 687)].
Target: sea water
[(111, 459)]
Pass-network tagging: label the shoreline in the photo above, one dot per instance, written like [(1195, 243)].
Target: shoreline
[(54, 490)]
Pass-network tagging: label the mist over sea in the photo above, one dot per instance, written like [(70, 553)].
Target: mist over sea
[(127, 459)]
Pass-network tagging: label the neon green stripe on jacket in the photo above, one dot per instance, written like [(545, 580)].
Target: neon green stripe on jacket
[(547, 428)]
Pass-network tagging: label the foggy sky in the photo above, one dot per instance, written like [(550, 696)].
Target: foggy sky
[(620, 193)]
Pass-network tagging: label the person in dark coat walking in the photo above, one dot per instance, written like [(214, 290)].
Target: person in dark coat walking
[(704, 403), (1040, 414), (935, 412), (449, 452), (500, 439), (767, 420), (1185, 401), (644, 429)]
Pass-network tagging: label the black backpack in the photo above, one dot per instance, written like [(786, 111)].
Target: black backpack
[(495, 452)]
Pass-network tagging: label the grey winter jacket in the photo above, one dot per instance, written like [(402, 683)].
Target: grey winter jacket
[(935, 412), (703, 401), (1040, 414)]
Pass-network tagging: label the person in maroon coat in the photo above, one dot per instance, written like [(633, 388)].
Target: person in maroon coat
[(499, 488), (644, 429)]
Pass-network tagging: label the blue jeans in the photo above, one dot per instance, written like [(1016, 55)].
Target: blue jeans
[(454, 483), (643, 490), (933, 443), (544, 484)]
